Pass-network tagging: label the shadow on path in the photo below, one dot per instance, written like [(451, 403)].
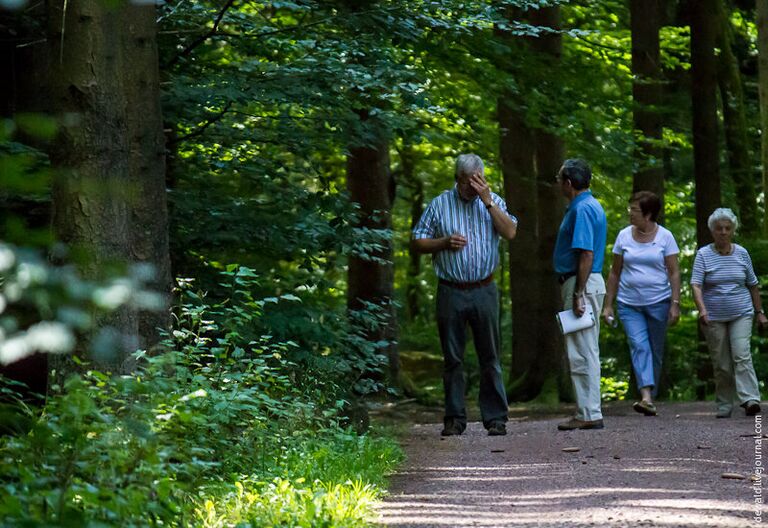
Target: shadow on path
[(638, 471)]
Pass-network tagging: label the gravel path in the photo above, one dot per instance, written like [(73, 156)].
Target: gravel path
[(638, 471)]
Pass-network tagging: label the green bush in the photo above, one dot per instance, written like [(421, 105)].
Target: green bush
[(221, 427)]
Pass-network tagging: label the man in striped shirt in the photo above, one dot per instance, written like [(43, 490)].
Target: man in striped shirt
[(461, 229)]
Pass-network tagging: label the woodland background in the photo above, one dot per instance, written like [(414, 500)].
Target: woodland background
[(228, 187)]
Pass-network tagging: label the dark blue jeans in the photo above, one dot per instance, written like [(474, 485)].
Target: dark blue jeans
[(478, 308)]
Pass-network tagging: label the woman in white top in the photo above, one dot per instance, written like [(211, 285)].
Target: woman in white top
[(645, 280)]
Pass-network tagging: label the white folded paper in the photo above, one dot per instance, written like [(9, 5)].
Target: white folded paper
[(569, 323)]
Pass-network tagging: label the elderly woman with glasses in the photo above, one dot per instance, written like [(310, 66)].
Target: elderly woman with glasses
[(645, 280), (725, 289)]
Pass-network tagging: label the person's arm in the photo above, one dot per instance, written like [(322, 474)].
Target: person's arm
[(698, 298), (432, 245), (757, 302), (673, 270), (502, 222), (611, 287), (582, 276)]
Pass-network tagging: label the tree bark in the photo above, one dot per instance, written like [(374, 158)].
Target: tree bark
[(109, 152), (735, 126), (550, 154), (705, 143), (413, 294), (149, 230), (530, 161), (762, 46), (648, 174), (370, 184), (704, 113)]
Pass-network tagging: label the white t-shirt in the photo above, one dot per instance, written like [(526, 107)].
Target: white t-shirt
[(644, 278)]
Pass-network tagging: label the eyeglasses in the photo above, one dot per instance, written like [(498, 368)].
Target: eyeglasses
[(634, 210)]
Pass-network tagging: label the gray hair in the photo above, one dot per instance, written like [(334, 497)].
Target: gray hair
[(469, 164), (577, 171), (722, 214)]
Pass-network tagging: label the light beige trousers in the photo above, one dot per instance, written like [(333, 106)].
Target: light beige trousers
[(584, 351), (729, 347)]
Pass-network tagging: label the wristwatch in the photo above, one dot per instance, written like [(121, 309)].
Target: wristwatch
[(760, 311), (490, 205)]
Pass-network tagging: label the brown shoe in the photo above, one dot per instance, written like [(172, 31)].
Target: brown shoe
[(575, 423)]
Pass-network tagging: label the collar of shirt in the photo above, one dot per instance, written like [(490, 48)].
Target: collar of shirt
[(580, 198)]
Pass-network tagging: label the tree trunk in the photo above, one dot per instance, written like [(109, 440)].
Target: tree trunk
[(517, 164), (550, 154), (413, 292), (735, 126), (762, 46), (530, 161), (108, 152), (704, 113), (371, 281), (705, 145), (149, 230), (646, 92)]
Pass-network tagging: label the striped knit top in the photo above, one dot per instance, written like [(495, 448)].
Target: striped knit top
[(725, 282), (449, 214)]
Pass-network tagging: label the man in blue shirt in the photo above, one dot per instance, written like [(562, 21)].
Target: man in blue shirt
[(461, 229), (578, 260)]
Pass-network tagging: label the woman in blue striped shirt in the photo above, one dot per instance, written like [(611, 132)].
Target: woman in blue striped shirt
[(725, 289)]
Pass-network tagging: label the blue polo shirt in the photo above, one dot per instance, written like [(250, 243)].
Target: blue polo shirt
[(584, 227)]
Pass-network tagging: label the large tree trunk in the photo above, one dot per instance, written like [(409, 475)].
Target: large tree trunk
[(517, 164), (550, 154), (762, 46), (370, 184), (646, 92), (735, 126), (109, 148), (149, 230), (703, 19), (530, 160), (703, 15)]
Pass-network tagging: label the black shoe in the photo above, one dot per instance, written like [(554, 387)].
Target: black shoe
[(752, 408), (497, 429), (452, 428)]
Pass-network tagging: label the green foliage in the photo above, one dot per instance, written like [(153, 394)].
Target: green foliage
[(221, 424)]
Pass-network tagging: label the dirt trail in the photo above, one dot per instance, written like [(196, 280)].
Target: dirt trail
[(638, 471)]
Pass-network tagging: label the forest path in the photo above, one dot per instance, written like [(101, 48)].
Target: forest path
[(638, 471)]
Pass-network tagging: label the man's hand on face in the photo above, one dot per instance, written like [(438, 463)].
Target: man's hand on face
[(455, 242), (480, 186)]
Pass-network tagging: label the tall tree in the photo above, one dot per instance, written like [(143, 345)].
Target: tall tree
[(648, 173), (550, 153), (735, 125), (704, 26), (762, 46), (703, 20), (530, 158), (370, 278), (108, 152)]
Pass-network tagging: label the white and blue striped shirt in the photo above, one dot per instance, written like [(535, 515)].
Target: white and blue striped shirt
[(449, 214), (724, 281)]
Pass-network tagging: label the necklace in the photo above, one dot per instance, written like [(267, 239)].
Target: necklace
[(724, 251), (645, 233)]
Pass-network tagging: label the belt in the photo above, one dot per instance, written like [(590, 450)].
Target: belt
[(565, 276), (468, 285)]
